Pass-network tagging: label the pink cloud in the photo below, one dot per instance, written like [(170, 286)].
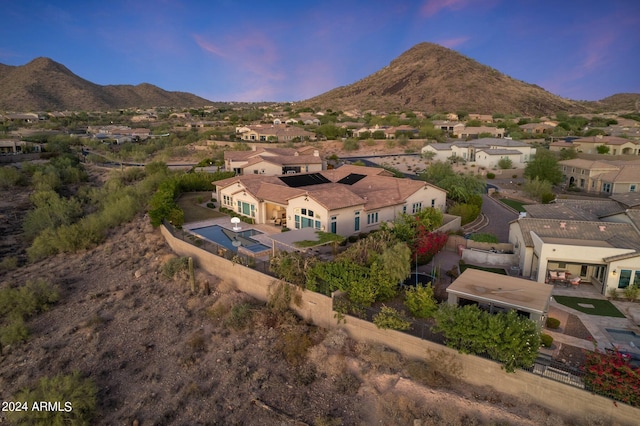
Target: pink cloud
[(208, 46), (433, 7), (454, 42)]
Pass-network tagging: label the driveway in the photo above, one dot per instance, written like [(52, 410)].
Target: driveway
[(499, 217)]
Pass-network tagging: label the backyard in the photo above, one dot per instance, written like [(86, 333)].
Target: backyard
[(193, 206), (590, 306)]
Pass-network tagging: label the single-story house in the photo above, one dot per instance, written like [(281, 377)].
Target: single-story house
[(273, 161), (501, 293), (485, 152), (616, 145), (347, 200), (275, 133), (605, 254)]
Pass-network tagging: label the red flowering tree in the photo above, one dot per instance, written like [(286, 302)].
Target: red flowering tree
[(427, 244), (609, 373)]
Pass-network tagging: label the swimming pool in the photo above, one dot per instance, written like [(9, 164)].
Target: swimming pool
[(231, 239), (627, 337)]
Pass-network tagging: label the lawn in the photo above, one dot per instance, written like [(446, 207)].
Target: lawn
[(500, 271), (517, 205), (194, 212), (603, 308)]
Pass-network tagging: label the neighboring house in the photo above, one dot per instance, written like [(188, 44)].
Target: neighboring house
[(275, 133), (273, 161), (537, 128), (485, 152), (482, 117), (474, 132), (10, 146), (606, 254), (29, 117), (616, 145), (603, 177), (448, 126), (345, 201)]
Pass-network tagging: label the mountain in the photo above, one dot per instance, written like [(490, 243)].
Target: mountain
[(432, 78), (619, 102), (45, 85)]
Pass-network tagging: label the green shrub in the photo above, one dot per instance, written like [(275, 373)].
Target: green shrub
[(546, 340), (390, 318), (76, 394), (9, 263), (211, 205), (631, 292), (420, 301), (491, 175), (10, 176), (553, 323), (468, 212), (14, 332)]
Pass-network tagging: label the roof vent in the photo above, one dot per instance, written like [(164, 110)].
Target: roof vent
[(602, 228), (563, 225)]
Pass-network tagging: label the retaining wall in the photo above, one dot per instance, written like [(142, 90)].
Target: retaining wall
[(318, 309)]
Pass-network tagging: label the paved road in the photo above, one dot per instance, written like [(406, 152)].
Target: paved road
[(499, 218)]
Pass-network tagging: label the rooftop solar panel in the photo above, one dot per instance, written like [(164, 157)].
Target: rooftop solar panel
[(296, 181), (351, 179)]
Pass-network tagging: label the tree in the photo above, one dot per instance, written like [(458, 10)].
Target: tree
[(544, 166), (392, 319), (602, 149)]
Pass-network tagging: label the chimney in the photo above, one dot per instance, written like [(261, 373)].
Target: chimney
[(602, 228), (563, 225)]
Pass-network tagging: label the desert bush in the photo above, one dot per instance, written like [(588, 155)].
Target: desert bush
[(547, 197), (390, 318), (351, 145), (27, 300), (10, 176), (631, 292), (347, 383), (420, 301), (294, 345), (239, 316), (491, 175), (546, 340), (8, 263), (553, 323), (13, 332), (174, 266), (76, 394)]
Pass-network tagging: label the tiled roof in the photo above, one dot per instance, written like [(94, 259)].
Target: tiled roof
[(557, 211), (626, 174), (595, 208), (587, 164), (375, 190), (618, 235), (628, 199)]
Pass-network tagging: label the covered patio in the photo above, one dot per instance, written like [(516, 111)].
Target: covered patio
[(500, 293)]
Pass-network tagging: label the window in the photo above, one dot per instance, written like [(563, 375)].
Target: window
[(356, 225), (625, 278), (416, 207), (372, 218), (433, 203), (404, 209), (305, 219), (334, 225), (227, 200), (606, 187), (632, 187)]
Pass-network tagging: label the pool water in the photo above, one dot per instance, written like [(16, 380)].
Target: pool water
[(624, 336), (226, 237)]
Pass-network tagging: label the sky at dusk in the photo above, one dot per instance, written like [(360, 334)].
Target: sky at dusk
[(228, 50)]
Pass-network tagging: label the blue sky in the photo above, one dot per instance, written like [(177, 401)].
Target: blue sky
[(232, 50)]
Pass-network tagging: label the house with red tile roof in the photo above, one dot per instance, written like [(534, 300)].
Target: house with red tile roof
[(602, 177), (274, 161), (345, 201)]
